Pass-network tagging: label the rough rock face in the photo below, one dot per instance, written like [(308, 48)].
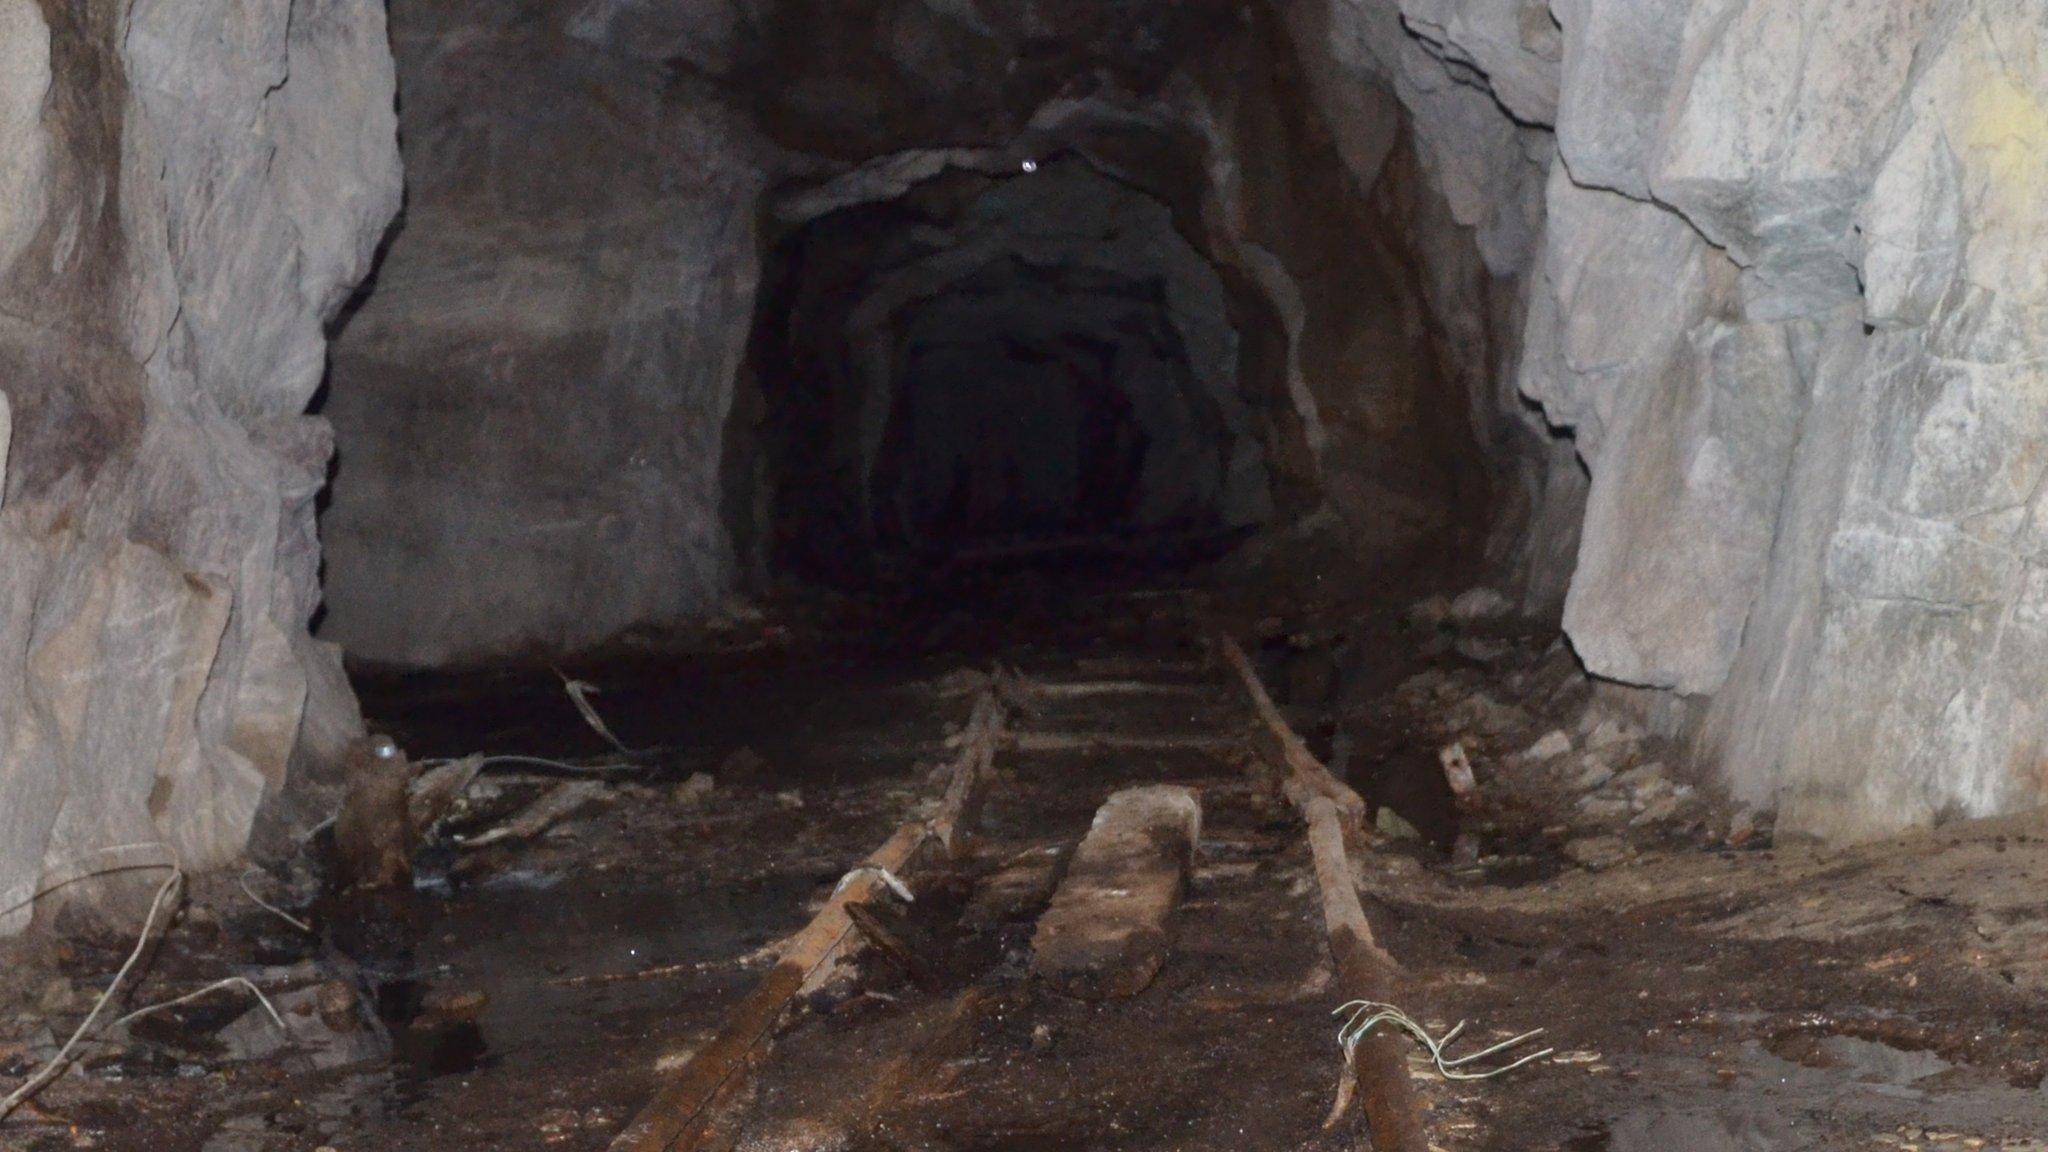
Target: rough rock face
[(1785, 303), (547, 418), (1736, 298), (187, 192), (533, 399)]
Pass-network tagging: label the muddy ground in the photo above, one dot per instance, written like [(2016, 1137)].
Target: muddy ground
[(1704, 987)]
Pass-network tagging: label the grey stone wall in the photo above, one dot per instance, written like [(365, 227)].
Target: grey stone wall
[(188, 189)]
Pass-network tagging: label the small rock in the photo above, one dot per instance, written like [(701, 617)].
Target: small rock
[(58, 996), (1604, 808), (1457, 767), (1552, 745), (1597, 852), (1041, 1038), (1427, 614), (337, 1004), (34, 1040), (1479, 604), (1610, 732), (559, 1124), (1480, 651), (696, 790), (744, 768), (1644, 783), (239, 1134), (1742, 828), (1393, 826), (1465, 850), (1423, 685), (792, 799), (1480, 711), (1594, 774), (255, 1036), (454, 1004), (1657, 811)]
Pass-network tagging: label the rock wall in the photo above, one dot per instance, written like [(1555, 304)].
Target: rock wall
[(1736, 298), (188, 189), (537, 400), (533, 398), (1786, 297)]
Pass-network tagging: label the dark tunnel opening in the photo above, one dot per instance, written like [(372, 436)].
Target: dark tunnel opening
[(1034, 368)]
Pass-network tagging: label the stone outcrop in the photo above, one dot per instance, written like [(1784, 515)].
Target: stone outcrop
[(1787, 302), (188, 191), (534, 396)]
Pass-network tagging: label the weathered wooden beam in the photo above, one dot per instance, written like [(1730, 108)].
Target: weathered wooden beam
[(680, 1117), (1089, 689), (1106, 934), (973, 771), (1044, 742), (1306, 776), (1333, 812), (1365, 972)]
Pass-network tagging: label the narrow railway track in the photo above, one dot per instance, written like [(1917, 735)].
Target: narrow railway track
[(951, 1062)]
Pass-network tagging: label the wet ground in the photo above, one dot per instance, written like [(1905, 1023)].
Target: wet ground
[(1705, 988)]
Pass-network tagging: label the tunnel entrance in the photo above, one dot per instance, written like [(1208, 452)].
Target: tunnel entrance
[(994, 368)]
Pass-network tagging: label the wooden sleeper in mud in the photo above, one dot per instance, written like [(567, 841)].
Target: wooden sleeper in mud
[(1105, 934)]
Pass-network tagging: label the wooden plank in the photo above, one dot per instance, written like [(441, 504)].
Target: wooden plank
[(1050, 742), (1091, 689), (973, 771), (1106, 934)]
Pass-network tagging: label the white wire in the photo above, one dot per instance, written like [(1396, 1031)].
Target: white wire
[(887, 877), (187, 998), (60, 1061), (267, 906), (581, 691), (1369, 1014)]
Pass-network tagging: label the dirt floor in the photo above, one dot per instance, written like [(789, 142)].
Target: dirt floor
[(1704, 987)]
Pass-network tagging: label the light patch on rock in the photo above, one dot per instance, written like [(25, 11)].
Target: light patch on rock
[(1595, 774), (6, 442), (1548, 747), (24, 145), (1479, 605), (1429, 613), (1597, 852)]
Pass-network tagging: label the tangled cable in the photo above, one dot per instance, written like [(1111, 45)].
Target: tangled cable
[(1369, 1014)]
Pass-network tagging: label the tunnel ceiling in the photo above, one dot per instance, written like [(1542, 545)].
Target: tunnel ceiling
[(1032, 354), (854, 81)]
